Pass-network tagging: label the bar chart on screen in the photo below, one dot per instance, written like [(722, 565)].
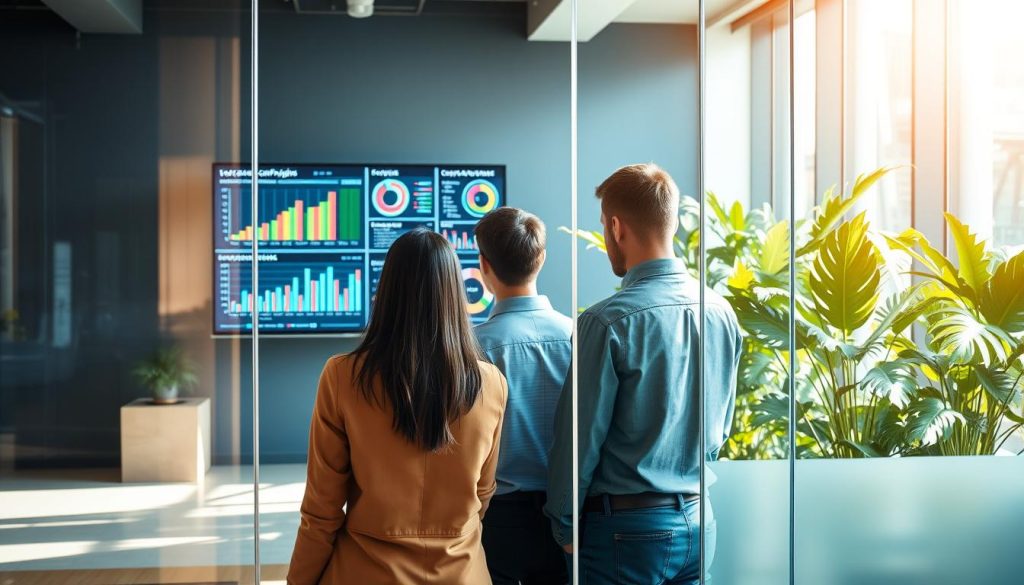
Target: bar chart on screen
[(296, 291), (460, 237), (316, 211)]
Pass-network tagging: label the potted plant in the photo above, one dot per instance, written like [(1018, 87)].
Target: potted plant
[(166, 373)]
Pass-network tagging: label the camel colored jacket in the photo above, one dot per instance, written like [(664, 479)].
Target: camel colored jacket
[(413, 516)]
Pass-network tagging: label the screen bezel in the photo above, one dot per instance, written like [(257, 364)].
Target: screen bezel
[(213, 237)]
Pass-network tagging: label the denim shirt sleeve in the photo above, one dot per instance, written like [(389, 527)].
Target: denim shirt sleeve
[(598, 387)]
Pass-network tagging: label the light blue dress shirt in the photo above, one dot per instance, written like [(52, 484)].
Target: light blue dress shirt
[(639, 379), (531, 344)]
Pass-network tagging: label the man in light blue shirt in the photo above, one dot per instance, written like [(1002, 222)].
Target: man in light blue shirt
[(531, 344), (639, 410)]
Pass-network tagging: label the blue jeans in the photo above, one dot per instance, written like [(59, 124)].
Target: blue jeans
[(645, 547)]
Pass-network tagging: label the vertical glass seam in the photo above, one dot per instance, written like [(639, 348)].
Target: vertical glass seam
[(791, 426), (253, 193), (574, 198), (702, 275)]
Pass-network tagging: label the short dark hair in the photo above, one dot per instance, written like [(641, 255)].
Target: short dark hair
[(512, 241), (644, 196)]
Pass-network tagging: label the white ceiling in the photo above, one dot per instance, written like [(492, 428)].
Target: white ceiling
[(551, 21)]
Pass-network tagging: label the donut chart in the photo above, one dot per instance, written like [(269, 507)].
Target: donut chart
[(479, 197), (381, 200), (479, 298)]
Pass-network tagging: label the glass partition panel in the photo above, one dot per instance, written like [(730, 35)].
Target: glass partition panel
[(431, 115), (124, 439), (747, 233), (920, 401)]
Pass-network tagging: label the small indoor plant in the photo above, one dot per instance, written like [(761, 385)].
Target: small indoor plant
[(166, 373)]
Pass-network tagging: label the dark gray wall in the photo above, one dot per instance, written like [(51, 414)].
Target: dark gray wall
[(438, 88)]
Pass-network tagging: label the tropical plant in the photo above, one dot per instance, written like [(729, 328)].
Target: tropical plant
[(891, 359), (165, 373)]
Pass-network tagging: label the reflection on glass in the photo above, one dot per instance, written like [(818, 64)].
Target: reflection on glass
[(747, 235), (122, 422)]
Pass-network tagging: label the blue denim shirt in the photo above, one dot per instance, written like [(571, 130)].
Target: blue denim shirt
[(639, 379), (531, 344)]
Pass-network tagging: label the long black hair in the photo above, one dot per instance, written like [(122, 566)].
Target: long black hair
[(419, 348)]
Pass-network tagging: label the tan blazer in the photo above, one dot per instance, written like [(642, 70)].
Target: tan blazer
[(412, 516)]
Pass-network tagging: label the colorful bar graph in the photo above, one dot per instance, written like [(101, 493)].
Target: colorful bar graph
[(320, 292), (337, 217), (460, 239)]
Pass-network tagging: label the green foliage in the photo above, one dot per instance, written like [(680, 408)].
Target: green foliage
[(166, 368), (900, 351)]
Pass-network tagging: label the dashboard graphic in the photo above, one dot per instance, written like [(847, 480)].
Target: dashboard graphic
[(322, 232)]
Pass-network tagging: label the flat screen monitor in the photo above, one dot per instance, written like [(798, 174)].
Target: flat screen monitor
[(323, 231)]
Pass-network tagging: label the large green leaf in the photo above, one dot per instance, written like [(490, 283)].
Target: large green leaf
[(775, 251), (844, 276), (1002, 301), (768, 325), (998, 384), (935, 261), (929, 420), (971, 253), (893, 379), (965, 339), (771, 408)]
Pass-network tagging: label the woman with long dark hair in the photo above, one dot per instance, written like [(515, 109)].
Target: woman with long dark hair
[(404, 436)]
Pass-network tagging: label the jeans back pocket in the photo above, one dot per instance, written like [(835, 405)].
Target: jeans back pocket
[(643, 558)]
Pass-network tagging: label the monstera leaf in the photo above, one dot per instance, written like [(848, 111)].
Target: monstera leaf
[(965, 339), (767, 325), (894, 380), (1002, 301), (971, 253), (930, 419), (845, 275)]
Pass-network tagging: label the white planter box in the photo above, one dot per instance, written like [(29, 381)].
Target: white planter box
[(167, 442)]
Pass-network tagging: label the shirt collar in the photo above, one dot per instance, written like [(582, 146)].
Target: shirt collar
[(516, 304), (658, 267)]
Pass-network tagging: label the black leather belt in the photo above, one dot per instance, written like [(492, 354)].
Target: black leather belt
[(537, 498), (635, 501)]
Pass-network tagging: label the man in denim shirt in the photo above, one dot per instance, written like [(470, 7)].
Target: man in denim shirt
[(531, 344), (639, 416)]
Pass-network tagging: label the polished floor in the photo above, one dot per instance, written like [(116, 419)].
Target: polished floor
[(271, 575), (88, 520)]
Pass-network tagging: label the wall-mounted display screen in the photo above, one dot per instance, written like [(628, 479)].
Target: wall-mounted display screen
[(323, 231)]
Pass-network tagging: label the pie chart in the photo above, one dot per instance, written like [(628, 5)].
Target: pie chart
[(479, 197), (479, 298), (390, 197)]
